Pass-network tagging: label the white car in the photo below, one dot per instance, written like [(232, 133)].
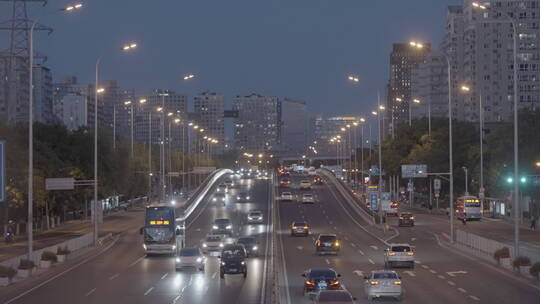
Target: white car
[(286, 196), (255, 217), (399, 254), (305, 184), (307, 198), (212, 243), (383, 283), (190, 258)]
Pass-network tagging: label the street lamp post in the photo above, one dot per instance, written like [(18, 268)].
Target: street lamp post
[(466, 180), (30, 219), (129, 103)]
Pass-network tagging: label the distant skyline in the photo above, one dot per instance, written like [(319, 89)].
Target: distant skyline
[(302, 49)]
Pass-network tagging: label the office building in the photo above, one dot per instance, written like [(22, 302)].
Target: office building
[(73, 103), (294, 127), (209, 108), (257, 127)]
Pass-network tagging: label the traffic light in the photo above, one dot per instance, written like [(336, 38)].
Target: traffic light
[(522, 180)]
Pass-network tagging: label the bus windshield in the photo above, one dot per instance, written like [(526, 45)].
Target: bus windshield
[(159, 216)]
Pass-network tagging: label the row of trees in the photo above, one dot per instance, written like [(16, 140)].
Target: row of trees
[(59, 152), (412, 145)]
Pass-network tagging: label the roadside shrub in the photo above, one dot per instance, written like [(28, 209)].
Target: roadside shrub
[(7, 272), (503, 253), (521, 261), (26, 264), (63, 251), (535, 270), (49, 256)]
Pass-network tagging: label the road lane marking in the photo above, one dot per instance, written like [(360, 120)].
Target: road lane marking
[(462, 290), (453, 273), (299, 247), (361, 252), (374, 247), (432, 271), (418, 262), (335, 227), (441, 277), (425, 266), (371, 261), (359, 273), (113, 277), (149, 290), (214, 275), (346, 238), (136, 261), (327, 261), (412, 274), (90, 292), (164, 276), (474, 298), (451, 283), (352, 244), (413, 239)]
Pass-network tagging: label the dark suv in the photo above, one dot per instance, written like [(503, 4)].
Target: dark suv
[(327, 243), (222, 226), (233, 260), (406, 219)]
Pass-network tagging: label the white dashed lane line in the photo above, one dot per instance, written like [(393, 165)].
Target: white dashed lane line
[(474, 298), (113, 277), (374, 247), (432, 271), (149, 291), (327, 261), (451, 283), (352, 244), (425, 266), (361, 252), (462, 290), (441, 277), (90, 292), (371, 261), (164, 276)]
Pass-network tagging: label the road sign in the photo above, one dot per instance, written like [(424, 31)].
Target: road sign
[(414, 171), (374, 170), (173, 174), (203, 170), (374, 201), (437, 194), (410, 187), (2, 171), (60, 183), (437, 184), (481, 193)]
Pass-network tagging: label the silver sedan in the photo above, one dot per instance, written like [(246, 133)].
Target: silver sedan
[(383, 283)]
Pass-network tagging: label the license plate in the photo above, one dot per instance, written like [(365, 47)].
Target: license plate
[(299, 230), (322, 285), (328, 244), (233, 270)]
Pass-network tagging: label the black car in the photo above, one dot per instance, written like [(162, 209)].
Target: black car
[(327, 243), (406, 219), (233, 260), (300, 228), (318, 279), (243, 197), (222, 226), (250, 244)]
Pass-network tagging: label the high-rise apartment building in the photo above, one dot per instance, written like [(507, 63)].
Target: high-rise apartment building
[(294, 127), (73, 103), (404, 57), (209, 108), (327, 128), (43, 94), (257, 127)]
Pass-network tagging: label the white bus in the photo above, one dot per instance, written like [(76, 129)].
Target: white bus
[(468, 207)]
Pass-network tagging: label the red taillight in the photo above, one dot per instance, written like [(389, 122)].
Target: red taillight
[(334, 283), (309, 282)]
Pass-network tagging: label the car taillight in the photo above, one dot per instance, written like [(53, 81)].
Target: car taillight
[(334, 282), (374, 282), (294, 227), (410, 253), (397, 282), (309, 282), (412, 217), (401, 217), (391, 253)]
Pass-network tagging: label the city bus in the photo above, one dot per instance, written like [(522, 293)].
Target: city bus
[(163, 232), (468, 207)]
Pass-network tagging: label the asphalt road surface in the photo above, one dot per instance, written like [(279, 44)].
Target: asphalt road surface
[(440, 275), (124, 275)]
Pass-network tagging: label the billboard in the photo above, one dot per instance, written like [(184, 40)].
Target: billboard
[(414, 171)]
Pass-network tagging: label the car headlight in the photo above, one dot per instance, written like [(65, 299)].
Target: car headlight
[(238, 197), (214, 199), (223, 263), (220, 244), (229, 227), (144, 246), (178, 260), (247, 197), (204, 245), (214, 227), (199, 260), (255, 247), (243, 263), (173, 247)]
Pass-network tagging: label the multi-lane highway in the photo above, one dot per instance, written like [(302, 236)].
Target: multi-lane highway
[(123, 274), (440, 275)]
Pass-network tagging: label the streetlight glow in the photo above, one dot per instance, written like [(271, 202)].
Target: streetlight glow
[(142, 101), (100, 90), (189, 76), (127, 103), (159, 109), (416, 100), (465, 88)]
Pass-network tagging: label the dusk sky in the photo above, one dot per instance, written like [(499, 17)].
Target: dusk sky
[(301, 49)]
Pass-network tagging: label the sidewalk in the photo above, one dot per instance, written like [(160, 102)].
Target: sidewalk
[(113, 223)]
